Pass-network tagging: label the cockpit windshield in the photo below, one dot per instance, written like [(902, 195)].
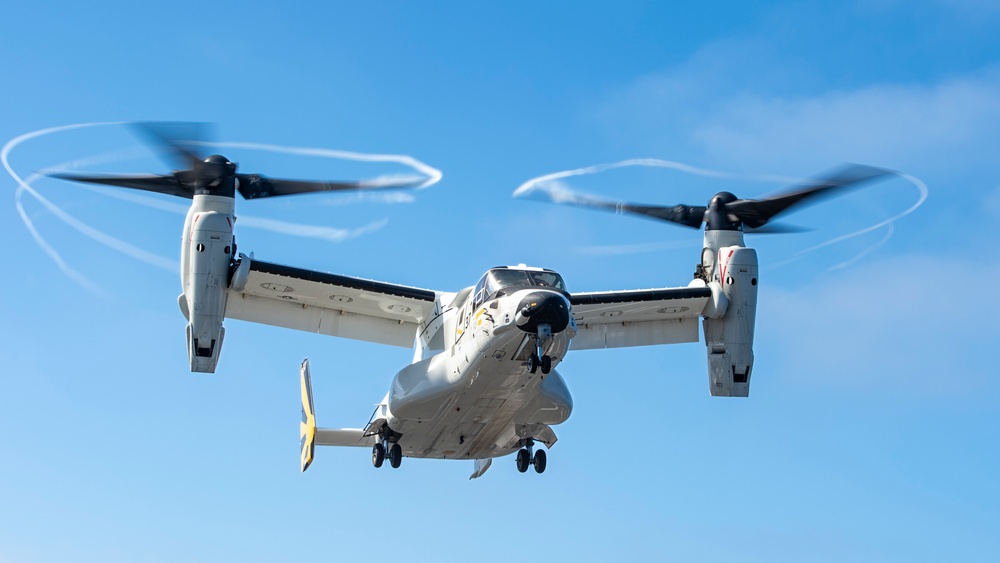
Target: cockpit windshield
[(498, 279)]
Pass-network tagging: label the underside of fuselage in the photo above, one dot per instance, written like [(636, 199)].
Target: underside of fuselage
[(480, 398)]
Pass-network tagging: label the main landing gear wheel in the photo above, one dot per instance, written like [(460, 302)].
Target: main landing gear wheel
[(384, 449), (395, 455), (523, 460), (526, 458), (539, 461)]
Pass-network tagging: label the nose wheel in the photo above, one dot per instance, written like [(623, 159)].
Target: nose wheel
[(526, 458), (534, 362)]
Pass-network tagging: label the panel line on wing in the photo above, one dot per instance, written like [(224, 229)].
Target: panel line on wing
[(605, 298), (343, 281)]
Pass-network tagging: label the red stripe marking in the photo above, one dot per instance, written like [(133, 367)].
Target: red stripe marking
[(726, 265)]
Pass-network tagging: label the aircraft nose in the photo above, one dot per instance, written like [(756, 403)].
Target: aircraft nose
[(543, 307)]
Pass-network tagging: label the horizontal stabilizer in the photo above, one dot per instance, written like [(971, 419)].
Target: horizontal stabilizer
[(344, 437)]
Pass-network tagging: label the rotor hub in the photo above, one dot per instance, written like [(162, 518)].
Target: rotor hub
[(216, 175)]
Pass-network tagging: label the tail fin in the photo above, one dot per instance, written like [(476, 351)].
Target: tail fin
[(307, 428)]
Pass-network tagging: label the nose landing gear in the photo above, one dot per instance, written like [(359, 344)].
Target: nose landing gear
[(539, 359), (534, 362), (526, 458)]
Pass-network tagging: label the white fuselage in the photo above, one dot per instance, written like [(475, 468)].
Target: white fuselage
[(477, 398)]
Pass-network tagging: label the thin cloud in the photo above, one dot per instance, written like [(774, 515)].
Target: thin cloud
[(641, 248), (992, 203), (892, 124), (372, 197), (880, 311), (750, 102), (330, 234), (897, 125)]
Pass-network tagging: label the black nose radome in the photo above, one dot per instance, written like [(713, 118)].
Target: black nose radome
[(543, 307)]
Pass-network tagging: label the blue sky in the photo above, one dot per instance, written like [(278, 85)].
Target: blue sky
[(871, 430)]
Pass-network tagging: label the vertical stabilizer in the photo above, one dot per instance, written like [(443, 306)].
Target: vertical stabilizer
[(307, 428)]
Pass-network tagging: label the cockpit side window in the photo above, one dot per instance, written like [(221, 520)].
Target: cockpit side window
[(479, 293)]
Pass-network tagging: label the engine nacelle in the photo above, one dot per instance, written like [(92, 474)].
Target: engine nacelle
[(206, 256), (729, 339)]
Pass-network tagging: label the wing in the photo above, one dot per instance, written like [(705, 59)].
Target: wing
[(330, 304), (614, 319)]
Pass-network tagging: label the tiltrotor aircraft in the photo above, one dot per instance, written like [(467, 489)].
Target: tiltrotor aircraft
[(482, 383)]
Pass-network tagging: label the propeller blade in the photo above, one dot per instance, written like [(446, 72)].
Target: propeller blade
[(253, 186), (170, 138), (776, 229), (170, 185), (686, 215), (216, 175), (681, 214), (756, 213), (724, 210)]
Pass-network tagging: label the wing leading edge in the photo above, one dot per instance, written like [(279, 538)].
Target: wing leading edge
[(331, 304), (615, 319)]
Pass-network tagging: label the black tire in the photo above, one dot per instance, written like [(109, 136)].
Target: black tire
[(395, 455), (532, 363), (546, 364), (523, 460), (378, 455), (539, 461)]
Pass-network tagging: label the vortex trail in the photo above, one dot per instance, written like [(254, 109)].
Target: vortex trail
[(331, 234)]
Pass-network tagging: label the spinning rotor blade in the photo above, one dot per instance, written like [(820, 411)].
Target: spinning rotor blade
[(756, 213), (169, 185), (253, 186), (216, 175), (680, 214), (686, 215), (170, 137), (775, 229), (725, 211)]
